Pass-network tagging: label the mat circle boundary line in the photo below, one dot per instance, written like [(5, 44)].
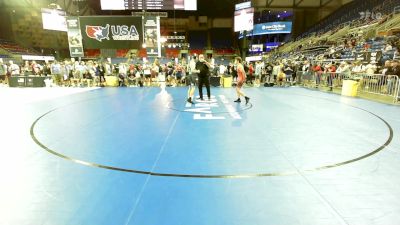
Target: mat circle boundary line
[(217, 176)]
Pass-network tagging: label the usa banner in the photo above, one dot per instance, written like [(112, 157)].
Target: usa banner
[(151, 35), (74, 37), (111, 32)]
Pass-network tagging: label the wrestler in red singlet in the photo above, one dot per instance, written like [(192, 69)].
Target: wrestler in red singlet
[(241, 79)]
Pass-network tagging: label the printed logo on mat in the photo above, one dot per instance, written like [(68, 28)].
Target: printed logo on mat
[(205, 110)]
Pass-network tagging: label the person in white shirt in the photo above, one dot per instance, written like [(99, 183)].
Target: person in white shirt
[(276, 70), (192, 78), (222, 70), (344, 70), (358, 67), (14, 69), (370, 68), (155, 70), (122, 71), (257, 73), (3, 71)]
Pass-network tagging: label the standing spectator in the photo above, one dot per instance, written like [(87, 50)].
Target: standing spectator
[(288, 70), (257, 73), (47, 69), (330, 69), (268, 71), (222, 70), (229, 69), (276, 70), (102, 72), (155, 69), (56, 72), (317, 69), (250, 73), (3, 71), (394, 70), (344, 70), (305, 71), (64, 74), (122, 70), (233, 71)]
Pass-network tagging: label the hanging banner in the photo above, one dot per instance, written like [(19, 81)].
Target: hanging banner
[(74, 37), (111, 32), (151, 26)]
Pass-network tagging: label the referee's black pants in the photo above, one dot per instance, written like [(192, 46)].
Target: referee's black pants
[(204, 81)]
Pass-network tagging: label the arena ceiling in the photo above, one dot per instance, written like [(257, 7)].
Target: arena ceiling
[(211, 8), (298, 4)]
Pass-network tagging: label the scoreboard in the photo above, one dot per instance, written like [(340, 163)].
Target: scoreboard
[(149, 5)]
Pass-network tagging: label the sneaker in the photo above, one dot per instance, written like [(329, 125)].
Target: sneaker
[(238, 100), (247, 100), (190, 100)]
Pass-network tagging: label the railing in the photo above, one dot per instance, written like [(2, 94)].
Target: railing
[(380, 84), (397, 93), (376, 84)]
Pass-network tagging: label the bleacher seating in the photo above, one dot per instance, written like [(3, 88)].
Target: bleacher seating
[(350, 13), (371, 35), (14, 48)]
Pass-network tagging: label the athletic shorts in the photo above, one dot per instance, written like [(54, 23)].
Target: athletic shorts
[(192, 79)]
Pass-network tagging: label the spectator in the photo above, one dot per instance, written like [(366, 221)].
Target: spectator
[(344, 70), (257, 73), (288, 70), (222, 70), (370, 68), (394, 70), (388, 48), (47, 68), (14, 69), (3, 71), (358, 67), (122, 72), (317, 69), (56, 72), (330, 70), (276, 70)]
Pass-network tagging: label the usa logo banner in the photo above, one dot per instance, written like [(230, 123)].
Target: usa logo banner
[(117, 32)]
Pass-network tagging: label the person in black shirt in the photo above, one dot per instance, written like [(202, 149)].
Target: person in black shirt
[(204, 76)]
